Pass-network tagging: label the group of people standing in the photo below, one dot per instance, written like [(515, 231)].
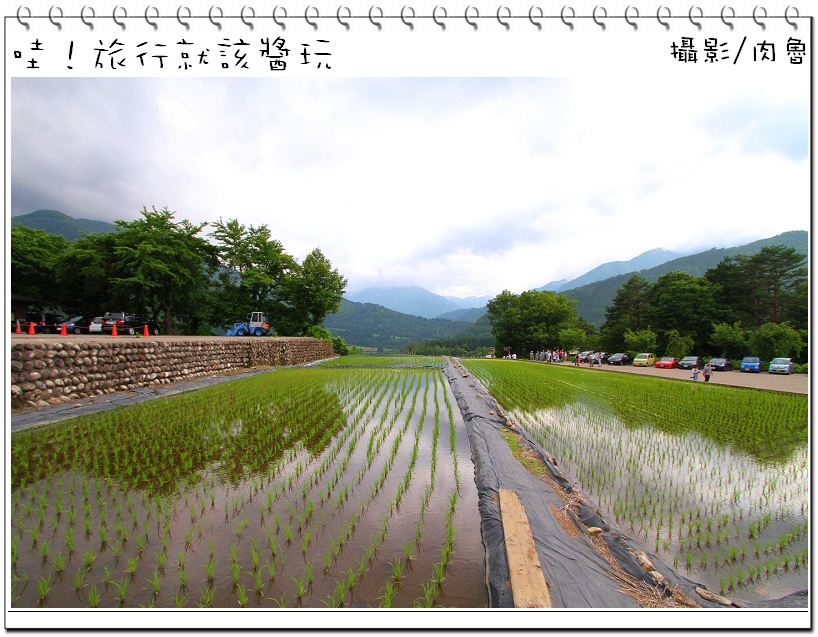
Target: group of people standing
[(548, 356)]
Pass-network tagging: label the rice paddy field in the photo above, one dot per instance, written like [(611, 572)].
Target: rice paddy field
[(399, 362), (313, 487), (713, 479)]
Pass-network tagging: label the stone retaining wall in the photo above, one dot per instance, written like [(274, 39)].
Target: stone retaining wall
[(52, 372)]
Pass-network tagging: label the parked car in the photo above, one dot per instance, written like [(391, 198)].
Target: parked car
[(750, 364), (620, 358), (584, 357), (598, 358), (77, 325), (667, 362), (781, 366), (44, 322), (127, 323), (689, 362), (721, 364), (646, 359), (95, 326)]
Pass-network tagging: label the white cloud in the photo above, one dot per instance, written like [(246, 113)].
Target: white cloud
[(461, 186)]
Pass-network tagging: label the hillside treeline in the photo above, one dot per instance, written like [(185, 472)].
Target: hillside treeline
[(173, 272), (370, 325), (746, 304)]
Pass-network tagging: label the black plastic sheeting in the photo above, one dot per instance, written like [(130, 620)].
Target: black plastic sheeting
[(578, 576)]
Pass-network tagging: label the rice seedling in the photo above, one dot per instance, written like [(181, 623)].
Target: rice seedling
[(300, 588), (206, 598), (43, 588), (79, 579), (235, 571), (241, 595), (59, 563), (88, 559), (429, 595), (93, 596), (154, 583), (388, 595), (397, 569), (179, 600), (210, 569)]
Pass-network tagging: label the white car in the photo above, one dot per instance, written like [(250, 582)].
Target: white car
[(781, 366), (95, 326)]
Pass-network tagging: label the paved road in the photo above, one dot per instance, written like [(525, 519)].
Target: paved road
[(794, 383)]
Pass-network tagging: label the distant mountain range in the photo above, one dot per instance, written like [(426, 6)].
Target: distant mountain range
[(408, 300), (367, 324), (644, 261), (420, 302), (371, 325), (56, 222)]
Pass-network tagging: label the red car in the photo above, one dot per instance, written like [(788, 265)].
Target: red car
[(667, 362)]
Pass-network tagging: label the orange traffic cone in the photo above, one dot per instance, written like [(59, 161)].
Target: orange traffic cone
[(31, 327), (113, 330), (17, 329), (145, 330), (63, 331)]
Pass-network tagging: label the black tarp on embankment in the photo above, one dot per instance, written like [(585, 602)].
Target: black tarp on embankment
[(578, 576)]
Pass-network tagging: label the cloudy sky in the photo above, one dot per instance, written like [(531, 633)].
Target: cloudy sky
[(462, 186)]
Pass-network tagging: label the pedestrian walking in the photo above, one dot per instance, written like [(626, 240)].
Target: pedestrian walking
[(695, 373), (707, 371)]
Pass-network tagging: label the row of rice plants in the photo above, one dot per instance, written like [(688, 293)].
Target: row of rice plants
[(392, 362), (120, 535), (713, 478)]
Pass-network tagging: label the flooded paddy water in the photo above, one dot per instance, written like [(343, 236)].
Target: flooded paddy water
[(714, 480), (300, 488)]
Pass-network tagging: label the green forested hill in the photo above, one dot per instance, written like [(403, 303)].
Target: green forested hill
[(56, 222), (592, 299), (371, 325)]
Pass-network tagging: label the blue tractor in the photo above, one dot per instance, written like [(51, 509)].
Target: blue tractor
[(255, 324)]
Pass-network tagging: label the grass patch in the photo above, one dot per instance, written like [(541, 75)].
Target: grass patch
[(530, 459)]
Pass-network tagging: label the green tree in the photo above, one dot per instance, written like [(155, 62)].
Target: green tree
[(627, 311), (163, 264), (311, 291), (767, 286), (682, 302), (678, 346), (253, 269), (641, 340), (571, 338), (729, 340), (776, 339), (530, 321), (782, 270), (34, 263), (84, 273)]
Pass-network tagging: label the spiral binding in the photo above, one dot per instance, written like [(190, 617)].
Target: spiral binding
[(407, 16)]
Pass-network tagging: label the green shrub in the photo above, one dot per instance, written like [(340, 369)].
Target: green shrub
[(339, 346), (316, 331)]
